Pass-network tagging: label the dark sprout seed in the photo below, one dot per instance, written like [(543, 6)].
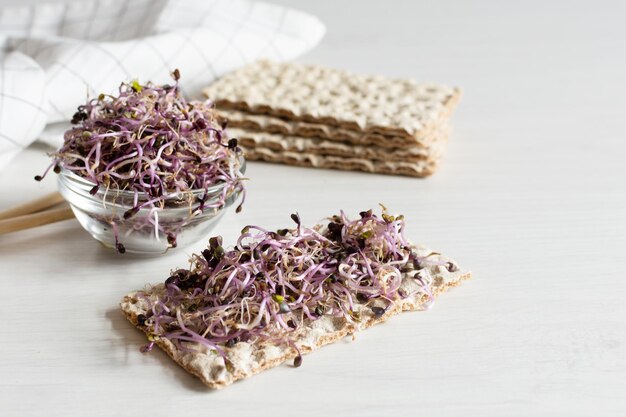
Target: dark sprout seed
[(191, 282), (452, 267), (417, 264), (378, 311), (200, 124), (334, 227), (38, 177), (94, 190), (297, 362), (120, 248), (319, 311), (78, 117), (291, 324), (296, 218), (56, 169), (231, 342), (361, 297), (176, 74), (351, 249), (207, 255), (141, 319), (232, 143), (334, 231), (173, 280), (366, 214), (130, 213)]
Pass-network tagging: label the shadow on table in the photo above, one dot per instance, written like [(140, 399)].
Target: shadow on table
[(34, 240), (72, 245), (132, 339)]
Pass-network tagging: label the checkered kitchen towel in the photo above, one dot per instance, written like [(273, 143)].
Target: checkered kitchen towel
[(52, 56)]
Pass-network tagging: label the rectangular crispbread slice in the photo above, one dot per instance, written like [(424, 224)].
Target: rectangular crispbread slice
[(248, 359), (269, 124), (250, 140), (420, 168), (334, 97)]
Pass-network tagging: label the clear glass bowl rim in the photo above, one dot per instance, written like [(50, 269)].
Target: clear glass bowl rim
[(86, 185)]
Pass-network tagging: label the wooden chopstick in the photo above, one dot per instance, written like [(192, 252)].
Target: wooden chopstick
[(32, 206), (33, 220)]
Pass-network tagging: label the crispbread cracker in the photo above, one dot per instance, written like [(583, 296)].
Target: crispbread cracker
[(281, 143), (248, 359), (335, 97), (420, 168), (269, 124)]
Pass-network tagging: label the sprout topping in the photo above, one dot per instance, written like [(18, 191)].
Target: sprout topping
[(271, 285)]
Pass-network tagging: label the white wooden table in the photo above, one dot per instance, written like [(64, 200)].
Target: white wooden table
[(531, 198)]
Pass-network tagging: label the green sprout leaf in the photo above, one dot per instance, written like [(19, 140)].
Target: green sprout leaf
[(136, 86)]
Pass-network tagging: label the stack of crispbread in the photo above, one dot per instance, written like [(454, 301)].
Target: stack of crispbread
[(329, 118)]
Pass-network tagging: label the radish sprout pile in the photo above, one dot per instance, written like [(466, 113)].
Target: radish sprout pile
[(272, 283), (149, 141)]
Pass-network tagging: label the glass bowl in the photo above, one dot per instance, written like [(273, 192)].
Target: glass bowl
[(146, 232)]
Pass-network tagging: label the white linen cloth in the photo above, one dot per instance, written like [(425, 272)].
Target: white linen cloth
[(53, 56)]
